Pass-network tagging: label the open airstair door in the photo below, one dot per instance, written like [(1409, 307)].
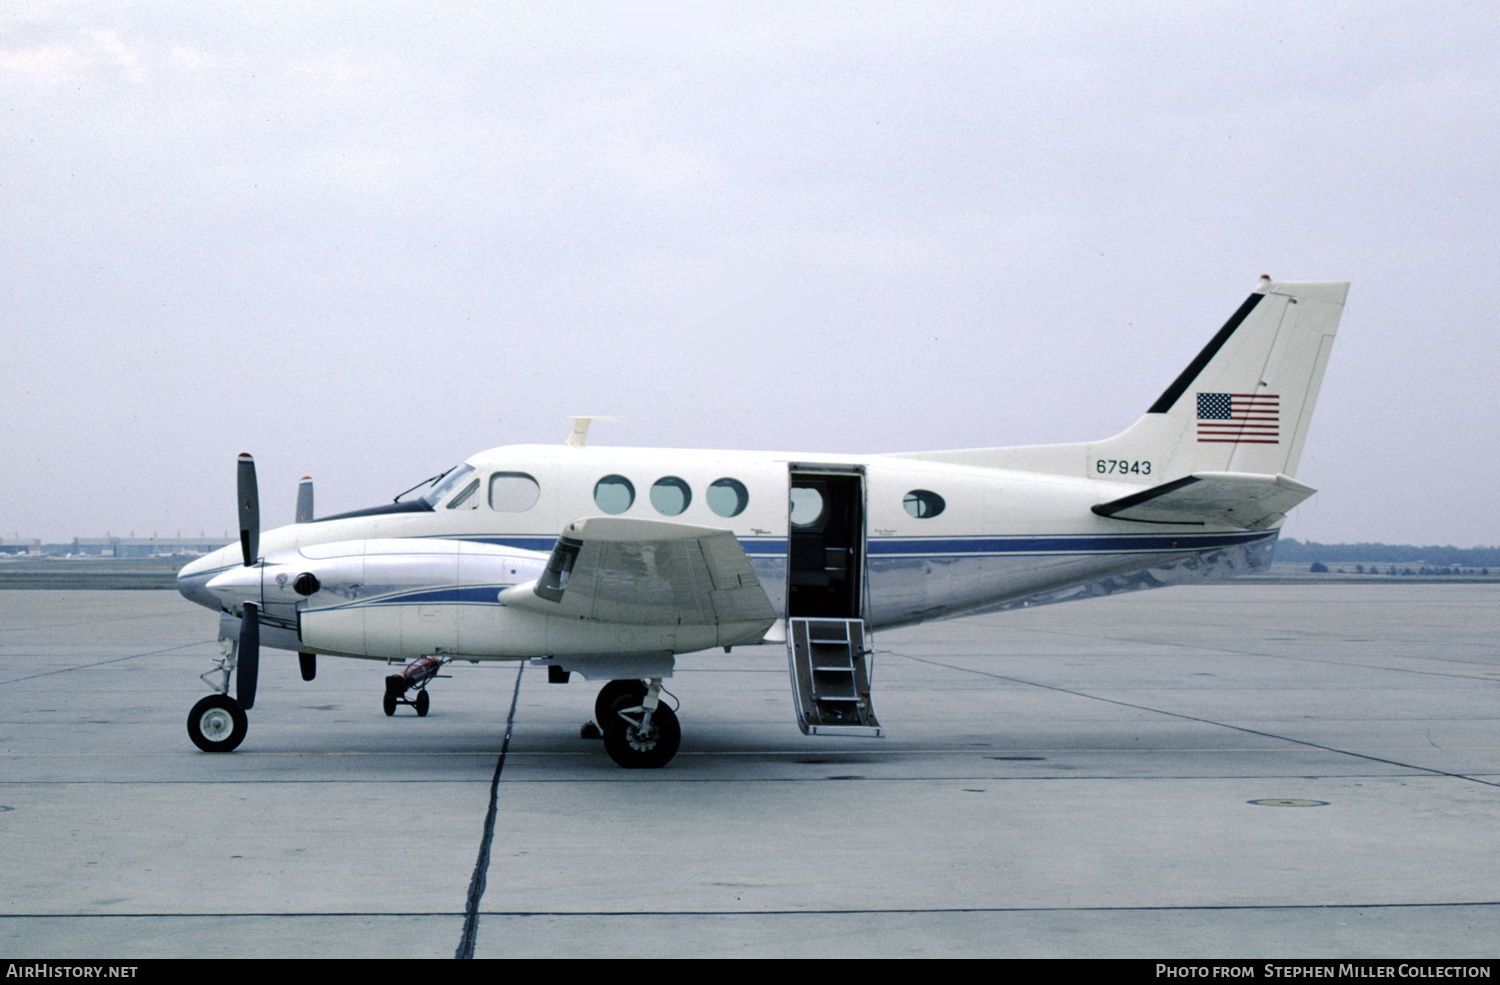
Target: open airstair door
[(830, 665)]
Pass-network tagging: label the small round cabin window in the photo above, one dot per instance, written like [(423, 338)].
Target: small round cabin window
[(614, 494), (670, 495), (806, 506), (923, 504), (513, 492), (728, 497)]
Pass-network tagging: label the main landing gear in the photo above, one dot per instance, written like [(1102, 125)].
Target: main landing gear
[(415, 677), (639, 731)]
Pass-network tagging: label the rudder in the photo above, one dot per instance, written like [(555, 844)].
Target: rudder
[(1244, 403)]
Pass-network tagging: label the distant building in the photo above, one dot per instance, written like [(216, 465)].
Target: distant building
[(144, 546), (10, 545)]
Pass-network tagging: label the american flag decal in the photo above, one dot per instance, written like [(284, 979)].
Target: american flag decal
[(1239, 418)]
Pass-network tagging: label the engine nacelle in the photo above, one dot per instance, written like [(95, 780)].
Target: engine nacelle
[(381, 598)]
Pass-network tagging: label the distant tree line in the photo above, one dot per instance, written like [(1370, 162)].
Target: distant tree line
[(1288, 549)]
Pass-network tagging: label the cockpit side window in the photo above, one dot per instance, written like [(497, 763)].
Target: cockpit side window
[(513, 492), (466, 500), (448, 483)]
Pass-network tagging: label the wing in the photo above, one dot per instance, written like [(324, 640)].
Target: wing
[(649, 573), (1240, 498)]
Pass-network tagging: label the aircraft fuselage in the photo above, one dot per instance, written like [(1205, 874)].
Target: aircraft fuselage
[(898, 540)]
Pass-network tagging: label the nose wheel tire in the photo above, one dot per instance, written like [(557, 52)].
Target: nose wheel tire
[(633, 746), (217, 723)]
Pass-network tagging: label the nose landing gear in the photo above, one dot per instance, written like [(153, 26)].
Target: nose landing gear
[(217, 723)]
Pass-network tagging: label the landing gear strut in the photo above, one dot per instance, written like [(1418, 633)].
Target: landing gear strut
[(604, 703), (218, 723), (639, 731)]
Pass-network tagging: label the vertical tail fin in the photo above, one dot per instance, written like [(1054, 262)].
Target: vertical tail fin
[(1244, 404)]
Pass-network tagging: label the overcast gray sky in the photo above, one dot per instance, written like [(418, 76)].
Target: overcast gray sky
[(366, 240)]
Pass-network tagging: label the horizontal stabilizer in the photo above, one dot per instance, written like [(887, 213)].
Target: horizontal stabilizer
[(1241, 498)]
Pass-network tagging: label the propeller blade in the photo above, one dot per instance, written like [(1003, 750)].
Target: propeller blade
[(305, 500), (249, 506), (247, 668)]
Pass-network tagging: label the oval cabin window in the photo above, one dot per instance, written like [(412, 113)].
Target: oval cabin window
[(728, 497), (806, 506), (670, 495), (614, 494), (923, 504)]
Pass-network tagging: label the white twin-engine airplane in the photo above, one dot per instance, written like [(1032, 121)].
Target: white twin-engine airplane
[(664, 552)]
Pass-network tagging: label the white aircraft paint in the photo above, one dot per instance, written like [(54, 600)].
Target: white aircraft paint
[(703, 550)]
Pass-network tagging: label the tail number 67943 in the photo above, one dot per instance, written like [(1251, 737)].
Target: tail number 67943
[(1121, 466)]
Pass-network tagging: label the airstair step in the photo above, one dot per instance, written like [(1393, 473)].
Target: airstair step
[(830, 677)]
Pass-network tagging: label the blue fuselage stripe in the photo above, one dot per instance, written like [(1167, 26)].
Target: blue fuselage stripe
[(1097, 544), (971, 546)]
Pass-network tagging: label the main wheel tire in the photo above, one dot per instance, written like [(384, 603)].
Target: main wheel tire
[(389, 704), (422, 702), (616, 689), (217, 723), (635, 749)]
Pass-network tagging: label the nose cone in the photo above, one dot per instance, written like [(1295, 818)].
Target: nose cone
[(193, 579)]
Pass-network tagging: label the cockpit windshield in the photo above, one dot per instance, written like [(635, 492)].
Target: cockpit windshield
[(443, 484), (447, 483)]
